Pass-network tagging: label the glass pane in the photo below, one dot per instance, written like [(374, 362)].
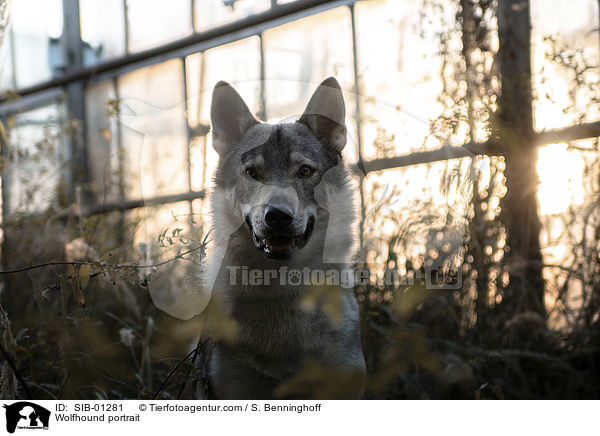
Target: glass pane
[(36, 27), (102, 29), (199, 149), (154, 22), (33, 168), (103, 156), (201, 215), (568, 199), (154, 130), (301, 54), (7, 78), (237, 63), (415, 209), (561, 172), (566, 62), (155, 221), (166, 232), (399, 79), (212, 13), (199, 156), (194, 75)]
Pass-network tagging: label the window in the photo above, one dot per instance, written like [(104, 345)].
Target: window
[(417, 114)]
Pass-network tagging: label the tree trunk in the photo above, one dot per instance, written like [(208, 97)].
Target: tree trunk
[(514, 127)]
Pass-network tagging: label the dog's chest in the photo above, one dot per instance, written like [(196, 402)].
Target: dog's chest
[(278, 327)]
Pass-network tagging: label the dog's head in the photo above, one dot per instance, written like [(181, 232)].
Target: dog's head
[(270, 173)]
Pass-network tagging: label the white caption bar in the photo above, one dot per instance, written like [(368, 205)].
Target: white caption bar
[(299, 417)]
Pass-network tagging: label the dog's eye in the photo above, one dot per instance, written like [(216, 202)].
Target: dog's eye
[(306, 171), (252, 172)]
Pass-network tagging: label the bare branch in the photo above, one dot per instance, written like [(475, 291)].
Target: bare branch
[(104, 265)]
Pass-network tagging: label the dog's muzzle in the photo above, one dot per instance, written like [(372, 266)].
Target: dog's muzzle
[(280, 242)]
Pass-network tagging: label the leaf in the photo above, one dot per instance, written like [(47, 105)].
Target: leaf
[(37, 293), (84, 275), (77, 293), (106, 133), (318, 381), (478, 391), (497, 389), (63, 295), (70, 272), (21, 334), (3, 134)]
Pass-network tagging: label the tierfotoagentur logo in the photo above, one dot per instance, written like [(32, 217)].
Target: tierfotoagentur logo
[(431, 278), (26, 415)]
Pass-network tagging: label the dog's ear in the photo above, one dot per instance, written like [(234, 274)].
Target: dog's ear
[(230, 117), (325, 115)]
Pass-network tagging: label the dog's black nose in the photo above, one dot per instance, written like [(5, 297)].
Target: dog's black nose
[(278, 217)]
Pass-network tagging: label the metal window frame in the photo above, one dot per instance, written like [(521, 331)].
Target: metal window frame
[(70, 87)]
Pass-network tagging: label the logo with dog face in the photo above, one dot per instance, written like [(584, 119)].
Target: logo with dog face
[(26, 415)]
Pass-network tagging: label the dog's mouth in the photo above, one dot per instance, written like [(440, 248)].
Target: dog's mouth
[(281, 246)]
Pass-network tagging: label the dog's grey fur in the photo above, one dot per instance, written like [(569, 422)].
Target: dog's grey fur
[(258, 167)]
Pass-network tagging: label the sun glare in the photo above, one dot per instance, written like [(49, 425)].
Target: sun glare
[(560, 173)]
